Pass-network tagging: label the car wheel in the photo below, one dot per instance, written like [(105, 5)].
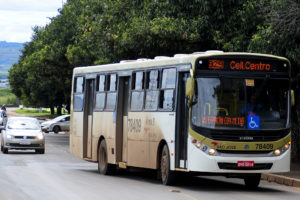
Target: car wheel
[(40, 151), (5, 150), (167, 176), (103, 166), (56, 129)]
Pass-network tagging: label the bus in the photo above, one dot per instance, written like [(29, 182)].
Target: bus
[(210, 112)]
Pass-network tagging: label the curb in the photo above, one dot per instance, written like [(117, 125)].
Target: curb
[(283, 180)]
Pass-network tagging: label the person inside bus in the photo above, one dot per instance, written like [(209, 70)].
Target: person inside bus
[(252, 107)]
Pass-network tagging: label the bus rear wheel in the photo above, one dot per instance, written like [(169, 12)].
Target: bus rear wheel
[(103, 166), (167, 176), (252, 181)]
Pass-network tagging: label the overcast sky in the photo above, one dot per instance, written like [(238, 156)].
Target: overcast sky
[(18, 17)]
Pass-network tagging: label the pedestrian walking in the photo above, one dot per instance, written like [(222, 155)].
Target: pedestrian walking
[(3, 115)]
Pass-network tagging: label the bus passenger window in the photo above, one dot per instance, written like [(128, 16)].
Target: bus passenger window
[(113, 82), (100, 93), (166, 99), (168, 78), (78, 85), (167, 89), (100, 101), (139, 81), (152, 82), (100, 83), (152, 92), (111, 101), (137, 94), (78, 93)]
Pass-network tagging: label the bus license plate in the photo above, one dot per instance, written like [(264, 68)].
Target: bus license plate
[(245, 163)]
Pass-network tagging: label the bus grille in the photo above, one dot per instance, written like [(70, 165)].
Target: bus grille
[(249, 136)]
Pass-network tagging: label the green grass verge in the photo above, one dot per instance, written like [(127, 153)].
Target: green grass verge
[(36, 112), (32, 112)]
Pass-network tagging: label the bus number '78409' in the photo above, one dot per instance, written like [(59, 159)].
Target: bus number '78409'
[(264, 146)]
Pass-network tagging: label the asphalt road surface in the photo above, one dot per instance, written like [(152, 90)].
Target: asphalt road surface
[(57, 175)]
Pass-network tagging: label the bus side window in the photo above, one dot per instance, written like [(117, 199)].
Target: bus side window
[(111, 93), (152, 90), (137, 93), (78, 93), (166, 101), (100, 93)]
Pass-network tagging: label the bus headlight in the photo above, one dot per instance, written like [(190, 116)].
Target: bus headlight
[(203, 147), (277, 152), (283, 149), (211, 152)]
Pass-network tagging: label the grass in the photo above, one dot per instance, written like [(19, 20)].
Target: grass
[(32, 112), (36, 112)]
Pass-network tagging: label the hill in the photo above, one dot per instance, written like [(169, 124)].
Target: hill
[(9, 54)]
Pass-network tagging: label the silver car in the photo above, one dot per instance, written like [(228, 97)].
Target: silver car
[(22, 133), (61, 123)]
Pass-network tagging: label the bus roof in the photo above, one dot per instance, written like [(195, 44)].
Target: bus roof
[(163, 60)]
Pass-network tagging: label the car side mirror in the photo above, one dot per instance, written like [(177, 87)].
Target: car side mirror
[(2, 128)]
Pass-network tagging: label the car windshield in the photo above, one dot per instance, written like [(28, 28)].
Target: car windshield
[(56, 119), (240, 103), (21, 124)]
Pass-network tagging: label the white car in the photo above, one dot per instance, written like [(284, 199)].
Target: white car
[(22, 133), (61, 123)]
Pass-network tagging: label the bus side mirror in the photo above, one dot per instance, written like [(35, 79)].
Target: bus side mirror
[(189, 90), (292, 98)]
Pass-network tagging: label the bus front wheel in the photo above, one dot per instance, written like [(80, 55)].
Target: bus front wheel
[(253, 181), (103, 166), (167, 176)]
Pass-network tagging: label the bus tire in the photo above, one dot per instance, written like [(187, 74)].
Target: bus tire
[(167, 176), (252, 181), (103, 166)]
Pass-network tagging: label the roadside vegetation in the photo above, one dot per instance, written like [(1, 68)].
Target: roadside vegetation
[(90, 32), (38, 112), (7, 97)]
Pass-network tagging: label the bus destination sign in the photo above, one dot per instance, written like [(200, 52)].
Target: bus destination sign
[(239, 65), (250, 65)]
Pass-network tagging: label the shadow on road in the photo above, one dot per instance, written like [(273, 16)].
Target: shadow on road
[(186, 182), (22, 152)]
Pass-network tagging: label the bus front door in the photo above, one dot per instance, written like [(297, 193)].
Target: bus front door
[(182, 124), (88, 118)]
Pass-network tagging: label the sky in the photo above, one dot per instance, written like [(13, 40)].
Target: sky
[(18, 17)]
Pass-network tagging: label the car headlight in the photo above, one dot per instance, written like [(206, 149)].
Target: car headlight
[(9, 136), (40, 136)]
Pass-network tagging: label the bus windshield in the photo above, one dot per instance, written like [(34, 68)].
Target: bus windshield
[(241, 103)]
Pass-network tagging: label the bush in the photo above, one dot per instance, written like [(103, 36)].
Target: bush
[(7, 97)]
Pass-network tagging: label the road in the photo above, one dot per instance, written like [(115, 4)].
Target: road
[(58, 175)]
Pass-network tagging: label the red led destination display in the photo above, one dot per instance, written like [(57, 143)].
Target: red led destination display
[(245, 64)]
